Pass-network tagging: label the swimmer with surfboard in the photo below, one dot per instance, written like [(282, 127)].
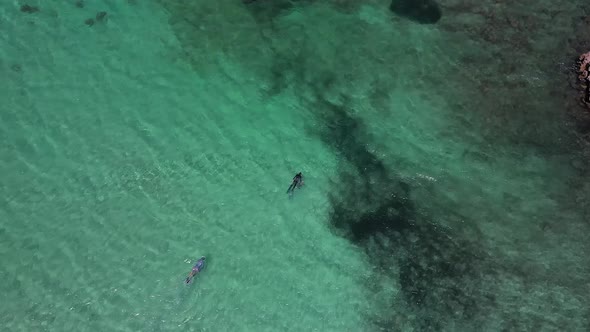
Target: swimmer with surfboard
[(297, 182), (199, 266)]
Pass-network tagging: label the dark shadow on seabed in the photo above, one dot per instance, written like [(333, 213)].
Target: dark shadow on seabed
[(440, 273)]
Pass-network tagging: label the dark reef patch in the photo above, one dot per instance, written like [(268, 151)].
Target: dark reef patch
[(29, 9), (281, 71), (101, 16), (342, 133), (439, 271), (421, 11), (266, 11)]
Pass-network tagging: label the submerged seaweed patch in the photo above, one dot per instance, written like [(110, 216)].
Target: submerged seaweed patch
[(438, 272)]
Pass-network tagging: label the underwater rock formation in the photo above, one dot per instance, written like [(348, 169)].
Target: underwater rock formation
[(421, 11), (584, 71)]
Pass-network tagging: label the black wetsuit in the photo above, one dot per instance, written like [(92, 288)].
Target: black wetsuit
[(296, 182)]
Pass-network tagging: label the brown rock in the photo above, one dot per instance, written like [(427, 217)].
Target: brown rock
[(584, 76), (584, 68)]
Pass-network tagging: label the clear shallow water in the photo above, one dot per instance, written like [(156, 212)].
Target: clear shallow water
[(134, 146)]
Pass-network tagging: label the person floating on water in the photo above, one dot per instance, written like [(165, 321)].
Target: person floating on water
[(297, 182), (200, 265)]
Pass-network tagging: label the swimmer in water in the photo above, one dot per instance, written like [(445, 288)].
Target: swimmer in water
[(200, 265), (297, 182)]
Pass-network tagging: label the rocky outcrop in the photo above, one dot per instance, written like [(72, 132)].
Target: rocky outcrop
[(584, 76)]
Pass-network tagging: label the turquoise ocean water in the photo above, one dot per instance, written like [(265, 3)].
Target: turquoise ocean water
[(444, 186)]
